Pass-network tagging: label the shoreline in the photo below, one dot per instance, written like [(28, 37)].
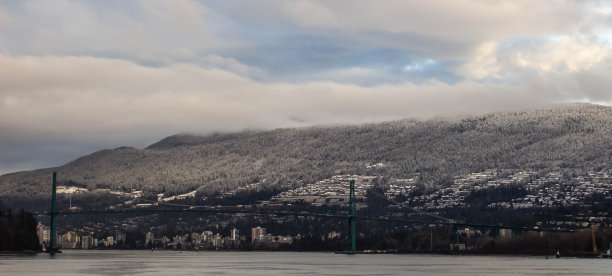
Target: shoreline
[(584, 255), (20, 252)]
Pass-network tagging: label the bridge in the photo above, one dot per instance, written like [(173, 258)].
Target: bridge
[(350, 216)]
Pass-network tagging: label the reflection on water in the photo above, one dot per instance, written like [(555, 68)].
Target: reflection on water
[(113, 262)]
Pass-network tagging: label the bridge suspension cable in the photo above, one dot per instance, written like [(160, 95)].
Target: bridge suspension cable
[(27, 184), (407, 207), (351, 216)]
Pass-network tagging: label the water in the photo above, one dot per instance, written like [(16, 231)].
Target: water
[(112, 262)]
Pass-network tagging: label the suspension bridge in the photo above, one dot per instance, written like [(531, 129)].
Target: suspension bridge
[(350, 216)]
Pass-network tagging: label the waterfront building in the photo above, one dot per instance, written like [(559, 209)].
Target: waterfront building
[(43, 233), (69, 240), (257, 234), (235, 234), (110, 241), (334, 235), (178, 239), (195, 238), (165, 240), (207, 236), (505, 234), (217, 241), (268, 239), (119, 236), (284, 239), (149, 237), (86, 242)]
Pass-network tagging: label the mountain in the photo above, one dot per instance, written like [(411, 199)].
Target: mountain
[(570, 136)]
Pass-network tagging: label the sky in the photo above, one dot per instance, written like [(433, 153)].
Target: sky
[(80, 76)]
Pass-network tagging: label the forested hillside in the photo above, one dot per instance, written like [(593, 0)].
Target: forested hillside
[(571, 136)]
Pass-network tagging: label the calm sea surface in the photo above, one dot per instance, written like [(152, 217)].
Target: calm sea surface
[(93, 262)]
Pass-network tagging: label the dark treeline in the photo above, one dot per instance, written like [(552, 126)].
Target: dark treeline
[(17, 231), (568, 244)]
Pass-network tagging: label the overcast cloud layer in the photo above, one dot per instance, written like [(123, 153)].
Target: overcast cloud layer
[(76, 77)]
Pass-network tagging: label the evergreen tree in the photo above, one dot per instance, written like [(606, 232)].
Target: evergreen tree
[(18, 232)]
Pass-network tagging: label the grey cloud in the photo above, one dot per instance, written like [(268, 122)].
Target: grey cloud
[(163, 33), (596, 85), (151, 31), (441, 24), (456, 20), (108, 102), (41, 153), (76, 77)]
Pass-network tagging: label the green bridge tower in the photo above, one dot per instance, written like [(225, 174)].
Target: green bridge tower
[(352, 235), (52, 239)]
